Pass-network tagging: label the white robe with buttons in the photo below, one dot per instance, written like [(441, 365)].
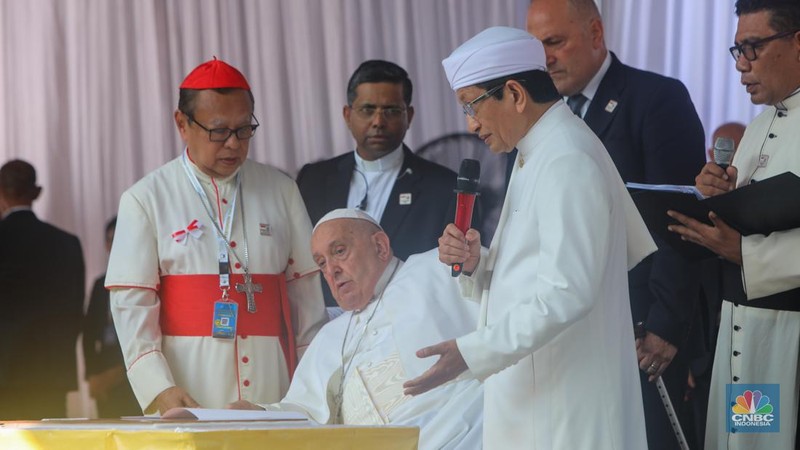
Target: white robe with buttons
[(555, 345), (213, 371), (768, 341), (420, 307)]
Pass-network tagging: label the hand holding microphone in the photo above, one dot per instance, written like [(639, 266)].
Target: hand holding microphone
[(723, 152), (469, 176), (718, 177)]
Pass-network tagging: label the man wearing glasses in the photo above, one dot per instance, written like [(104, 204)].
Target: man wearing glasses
[(411, 197), (555, 319), (759, 336), (213, 290)]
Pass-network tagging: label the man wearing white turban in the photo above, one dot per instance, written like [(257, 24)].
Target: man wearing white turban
[(554, 345)]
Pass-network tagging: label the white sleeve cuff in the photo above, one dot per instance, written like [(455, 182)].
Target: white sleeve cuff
[(150, 376)]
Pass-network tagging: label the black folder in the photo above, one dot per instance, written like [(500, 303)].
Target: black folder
[(762, 207)]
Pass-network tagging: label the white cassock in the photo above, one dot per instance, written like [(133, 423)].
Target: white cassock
[(758, 345), (164, 280), (555, 345), (420, 307)]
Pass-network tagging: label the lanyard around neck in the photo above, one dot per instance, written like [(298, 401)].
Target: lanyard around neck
[(223, 232)]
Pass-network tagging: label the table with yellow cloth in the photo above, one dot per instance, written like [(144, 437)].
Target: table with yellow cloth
[(82, 434)]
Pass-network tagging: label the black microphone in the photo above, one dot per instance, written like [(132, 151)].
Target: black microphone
[(469, 176), (723, 152)]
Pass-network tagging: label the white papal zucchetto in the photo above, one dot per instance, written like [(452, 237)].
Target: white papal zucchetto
[(346, 213), (493, 53)]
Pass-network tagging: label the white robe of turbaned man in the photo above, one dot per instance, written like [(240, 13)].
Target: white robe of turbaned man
[(163, 274), (420, 306), (555, 345)]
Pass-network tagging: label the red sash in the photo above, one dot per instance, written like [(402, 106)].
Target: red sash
[(187, 309)]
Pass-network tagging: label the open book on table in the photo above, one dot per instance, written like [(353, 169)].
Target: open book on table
[(763, 207), (208, 414)]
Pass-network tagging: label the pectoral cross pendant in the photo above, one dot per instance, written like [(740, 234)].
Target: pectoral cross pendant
[(249, 288)]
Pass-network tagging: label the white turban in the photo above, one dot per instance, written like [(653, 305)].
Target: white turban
[(493, 53), (346, 213)]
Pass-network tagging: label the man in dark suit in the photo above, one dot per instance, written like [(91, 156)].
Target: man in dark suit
[(41, 296), (105, 365), (649, 126), (411, 197)]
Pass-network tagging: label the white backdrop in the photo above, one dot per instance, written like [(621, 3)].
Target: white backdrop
[(688, 40), (88, 87)]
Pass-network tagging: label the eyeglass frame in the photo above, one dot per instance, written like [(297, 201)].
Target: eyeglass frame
[(740, 48), (230, 131), (360, 111), (468, 107)]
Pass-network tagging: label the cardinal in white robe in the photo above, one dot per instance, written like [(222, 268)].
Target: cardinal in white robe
[(555, 345), (354, 369), (213, 290)]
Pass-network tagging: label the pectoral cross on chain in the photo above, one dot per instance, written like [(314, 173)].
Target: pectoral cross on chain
[(249, 288)]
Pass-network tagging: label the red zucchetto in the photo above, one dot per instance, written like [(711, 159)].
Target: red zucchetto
[(215, 74)]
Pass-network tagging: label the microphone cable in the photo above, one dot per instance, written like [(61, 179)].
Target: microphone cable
[(362, 205)]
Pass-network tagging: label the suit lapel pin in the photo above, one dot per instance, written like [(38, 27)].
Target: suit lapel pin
[(264, 229), (611, 106), (405, 198)]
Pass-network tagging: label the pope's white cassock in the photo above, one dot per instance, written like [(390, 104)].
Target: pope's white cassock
[(555, 347), (420, 306), (163, 274), (759, 334)]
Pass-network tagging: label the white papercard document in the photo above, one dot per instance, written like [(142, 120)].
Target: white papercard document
[(667, 188), (206, 414)]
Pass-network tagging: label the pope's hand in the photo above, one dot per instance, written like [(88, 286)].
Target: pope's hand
[(714, 180), (456, 247), (654, 354), (174, 397), (449, 366), (244, 404)]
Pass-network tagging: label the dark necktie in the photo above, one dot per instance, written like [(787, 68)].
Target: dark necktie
[(576, 102)]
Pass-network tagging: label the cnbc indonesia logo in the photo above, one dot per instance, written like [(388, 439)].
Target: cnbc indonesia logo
[(753, 410)]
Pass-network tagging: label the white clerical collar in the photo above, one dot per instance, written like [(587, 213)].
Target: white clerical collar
[(391, 268), (387, 162), (202, 176), (591, 89), (14, 209), (792, 101)]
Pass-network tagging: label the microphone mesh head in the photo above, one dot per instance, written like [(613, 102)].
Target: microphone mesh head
[(723, 151), (469, 176)]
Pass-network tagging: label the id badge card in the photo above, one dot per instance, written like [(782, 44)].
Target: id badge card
[(225, 314)]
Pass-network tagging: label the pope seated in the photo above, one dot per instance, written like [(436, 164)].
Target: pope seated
[(354, 369)]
